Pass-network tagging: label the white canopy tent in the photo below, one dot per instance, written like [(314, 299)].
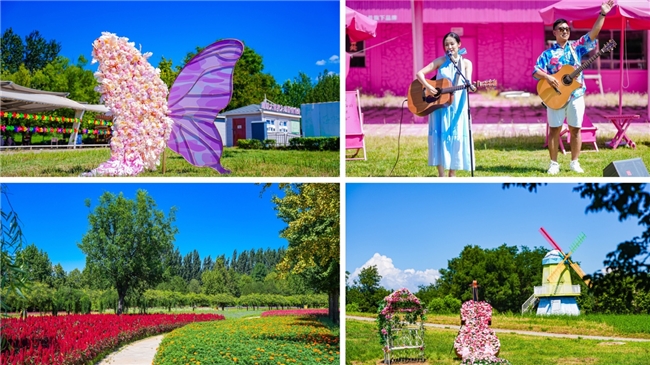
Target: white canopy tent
[(16, 98)]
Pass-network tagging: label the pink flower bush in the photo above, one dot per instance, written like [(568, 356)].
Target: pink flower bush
[(137, 97), (476, 343)]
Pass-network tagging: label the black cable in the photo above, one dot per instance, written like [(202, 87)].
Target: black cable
[(398, 137)]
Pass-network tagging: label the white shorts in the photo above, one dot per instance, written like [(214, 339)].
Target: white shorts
[(573, 111)]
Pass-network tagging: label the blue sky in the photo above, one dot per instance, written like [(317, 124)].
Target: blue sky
[(291, 36), (212, 218), (411, 230)]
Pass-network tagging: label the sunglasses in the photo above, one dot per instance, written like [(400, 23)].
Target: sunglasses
[(563, 29)]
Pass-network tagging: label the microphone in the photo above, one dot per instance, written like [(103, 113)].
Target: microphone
[(449, 54)]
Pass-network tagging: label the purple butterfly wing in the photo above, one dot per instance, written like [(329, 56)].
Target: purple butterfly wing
[(201, 90)]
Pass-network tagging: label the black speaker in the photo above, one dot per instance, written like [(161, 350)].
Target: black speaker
[(626, 168)]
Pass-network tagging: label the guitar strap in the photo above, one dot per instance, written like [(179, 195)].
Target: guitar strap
[(575, 57)]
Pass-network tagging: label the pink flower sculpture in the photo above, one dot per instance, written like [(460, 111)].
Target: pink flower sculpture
[(137, 97), (476, 342)]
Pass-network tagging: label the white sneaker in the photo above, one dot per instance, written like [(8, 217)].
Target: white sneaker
[(553, 168), (575, 167)]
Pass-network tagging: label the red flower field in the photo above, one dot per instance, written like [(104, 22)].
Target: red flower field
[(77, 339)]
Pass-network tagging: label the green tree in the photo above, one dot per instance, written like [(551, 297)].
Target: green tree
[(127, 241), (12, 50), (13, 275), (366, 291), (39, 52), (194, 286), (167, 74), (259, 272), (219, 279), (312, 213), (369, 279), (59, 276), (326, 89), (294, 93), (38, 264), (250, 85), (504, 280), (208, 264), (75, 279)]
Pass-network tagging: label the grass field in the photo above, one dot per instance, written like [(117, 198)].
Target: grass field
[(277, 163), (495, 156), (611, 325), (362, 347)]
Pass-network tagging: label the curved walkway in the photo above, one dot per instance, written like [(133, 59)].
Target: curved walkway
[(137, 353), (526, 333)]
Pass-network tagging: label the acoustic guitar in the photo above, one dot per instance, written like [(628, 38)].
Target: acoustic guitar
[(422, 103), (557, 98)]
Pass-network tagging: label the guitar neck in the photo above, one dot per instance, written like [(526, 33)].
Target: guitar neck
[(587, 63)]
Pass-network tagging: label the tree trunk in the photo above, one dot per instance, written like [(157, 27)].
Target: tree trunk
[(120, 301), (333, 308)]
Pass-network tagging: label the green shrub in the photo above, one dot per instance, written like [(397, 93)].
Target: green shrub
[(249, 144), (315, 143), (268, 143), (352, 307), (446, 305), (437, 306), (452, 305)]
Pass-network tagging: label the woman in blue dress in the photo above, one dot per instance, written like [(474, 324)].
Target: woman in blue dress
[(449, 135)]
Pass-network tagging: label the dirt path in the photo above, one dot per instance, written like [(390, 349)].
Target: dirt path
[(137, 353), (526, 333)]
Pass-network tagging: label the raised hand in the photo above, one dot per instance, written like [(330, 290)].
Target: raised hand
[(607, 6)]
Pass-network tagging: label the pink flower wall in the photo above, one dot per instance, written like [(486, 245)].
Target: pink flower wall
[(505, 52)]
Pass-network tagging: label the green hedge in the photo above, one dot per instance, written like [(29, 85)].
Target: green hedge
[(315, 143), (300, 143), (249, 144)]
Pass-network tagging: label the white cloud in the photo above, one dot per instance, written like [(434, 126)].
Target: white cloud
[(334, 59), (321, 63), (395, 278), (331, 73)]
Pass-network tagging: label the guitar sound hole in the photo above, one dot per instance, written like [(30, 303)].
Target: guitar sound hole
[(567, 80), (431, 98)]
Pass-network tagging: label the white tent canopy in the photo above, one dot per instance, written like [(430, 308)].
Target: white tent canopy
[(16, 98)]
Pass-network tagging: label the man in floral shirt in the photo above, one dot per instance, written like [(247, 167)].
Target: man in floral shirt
[(565, 52)]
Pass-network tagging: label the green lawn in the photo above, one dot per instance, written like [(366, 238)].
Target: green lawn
[(268, 163), (362, 347), (495, 156), (611, 325)]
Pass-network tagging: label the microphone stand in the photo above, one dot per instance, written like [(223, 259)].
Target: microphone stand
[(469, 114)]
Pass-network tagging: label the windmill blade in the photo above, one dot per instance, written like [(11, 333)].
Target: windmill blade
[(577, 242), (549, 239), (579, 271), (552, 277)]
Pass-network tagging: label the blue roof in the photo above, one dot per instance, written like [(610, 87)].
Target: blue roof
[(552, 257), (249, 109)]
